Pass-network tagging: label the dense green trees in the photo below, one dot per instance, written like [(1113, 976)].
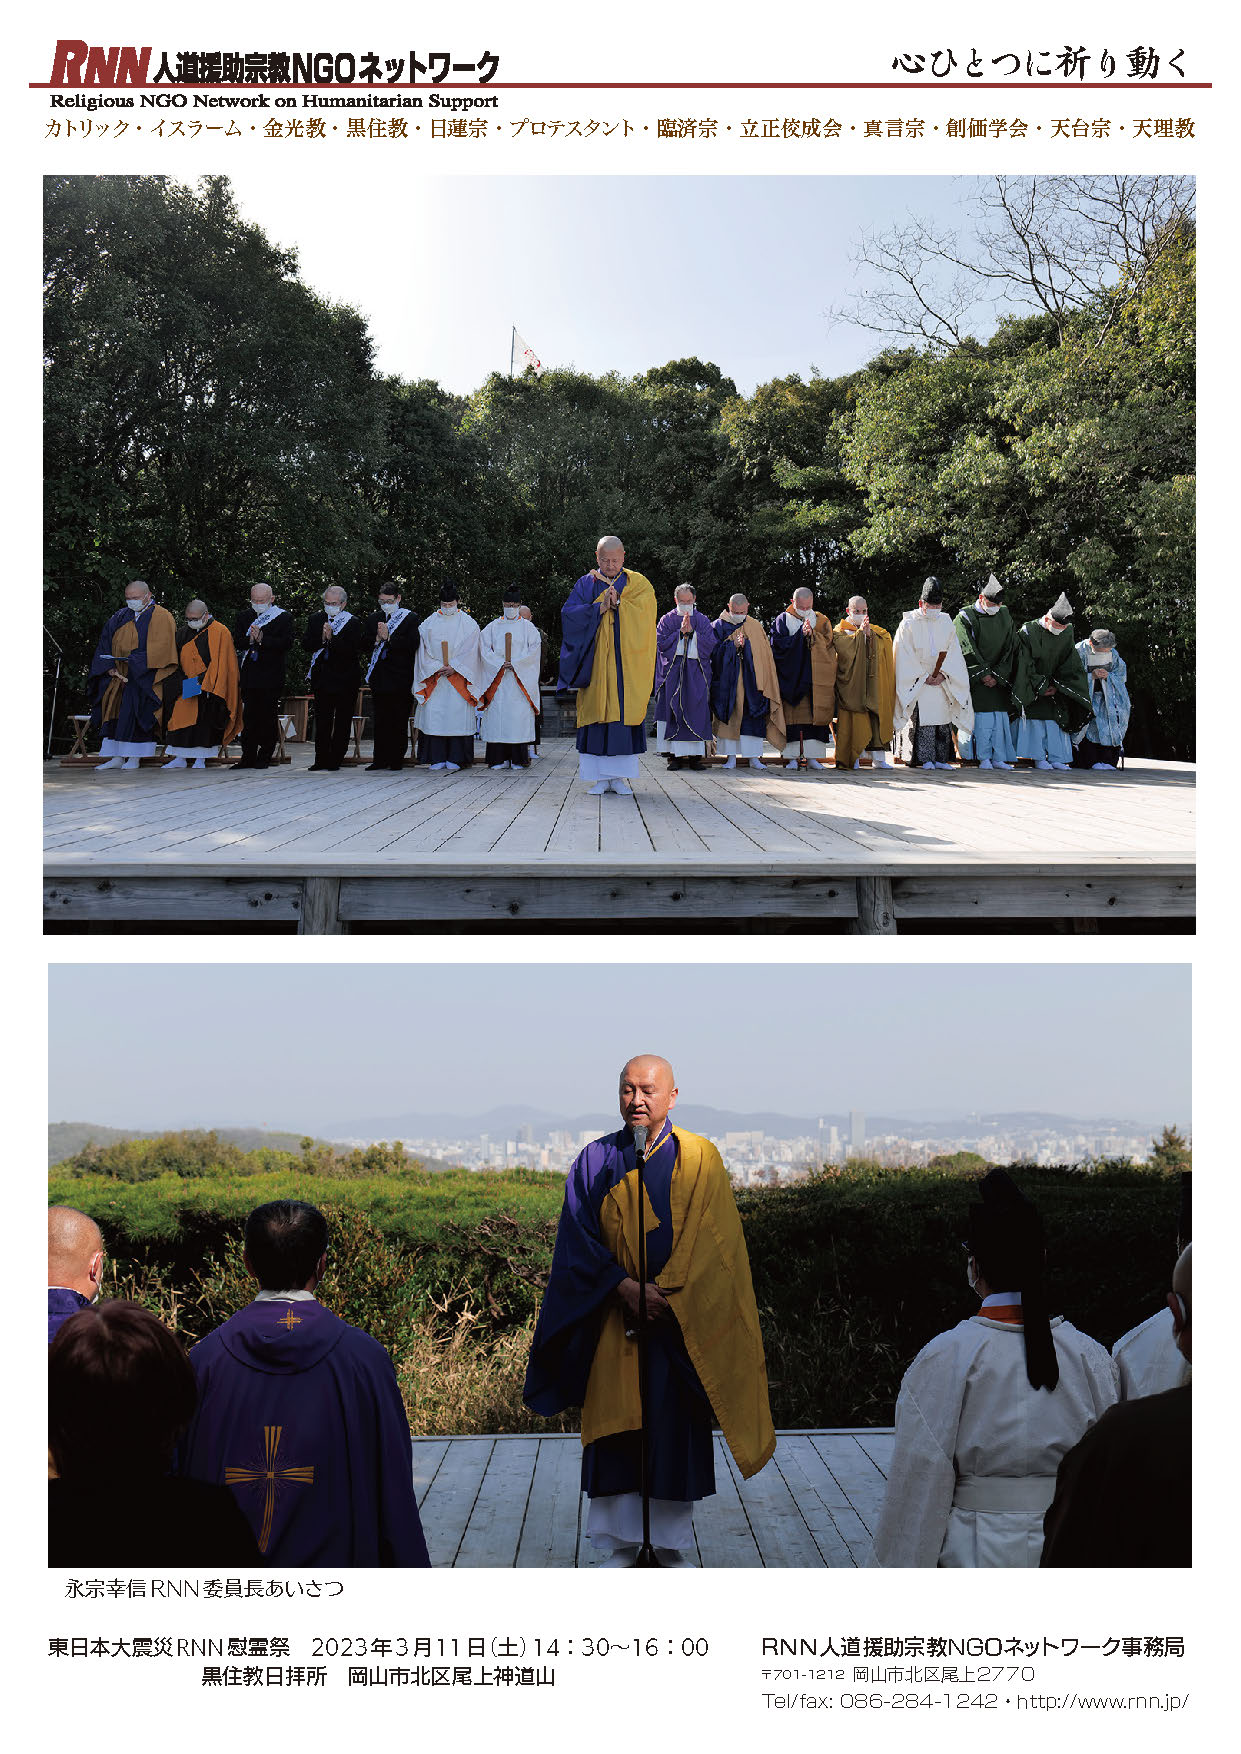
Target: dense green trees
[(210, 421)]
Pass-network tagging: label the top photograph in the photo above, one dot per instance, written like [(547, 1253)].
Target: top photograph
[(663, 553)]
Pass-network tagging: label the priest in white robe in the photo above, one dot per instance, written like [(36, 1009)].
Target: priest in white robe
[(510, 655), (447, 685), (987, 1410), (932, 683)]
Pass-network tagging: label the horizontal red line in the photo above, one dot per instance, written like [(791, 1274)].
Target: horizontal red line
[(668, 85)]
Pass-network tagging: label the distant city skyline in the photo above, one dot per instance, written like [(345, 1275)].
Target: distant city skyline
[(923, 1040)]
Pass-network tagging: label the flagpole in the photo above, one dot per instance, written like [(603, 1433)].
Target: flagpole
[(512, 351)]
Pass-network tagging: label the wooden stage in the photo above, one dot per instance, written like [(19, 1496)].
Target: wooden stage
[(328, 852), (517, 1501)]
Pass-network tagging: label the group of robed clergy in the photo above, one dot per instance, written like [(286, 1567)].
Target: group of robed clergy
[(975, 687)]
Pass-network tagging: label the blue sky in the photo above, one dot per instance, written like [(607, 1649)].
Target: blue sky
[(601, 273), (1075, 1039)]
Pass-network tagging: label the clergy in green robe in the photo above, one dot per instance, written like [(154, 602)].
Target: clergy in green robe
[(989, 647), (1051, 687)]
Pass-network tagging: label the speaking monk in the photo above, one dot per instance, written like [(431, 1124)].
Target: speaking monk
[(705, 1359)]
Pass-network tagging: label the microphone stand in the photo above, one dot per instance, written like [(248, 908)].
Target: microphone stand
[(646, 1553), (51, 720)]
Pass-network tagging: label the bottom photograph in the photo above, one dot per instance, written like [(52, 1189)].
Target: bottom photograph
[(458, 1277)]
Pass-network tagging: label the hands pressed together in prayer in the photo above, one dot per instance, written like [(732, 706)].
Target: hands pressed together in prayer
[(256, 634), (738, 639), (658, 1308), (610, 597), (988, 681), (327, 633), (381, 629)]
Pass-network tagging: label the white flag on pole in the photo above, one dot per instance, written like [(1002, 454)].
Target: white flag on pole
[(525, 355)]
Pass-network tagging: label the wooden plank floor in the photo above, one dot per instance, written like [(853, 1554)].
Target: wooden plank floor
[(516, 1501), (286, 820)]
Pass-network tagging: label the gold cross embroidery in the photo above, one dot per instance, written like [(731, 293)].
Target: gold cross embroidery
[(289, 1320), (268, 1475)]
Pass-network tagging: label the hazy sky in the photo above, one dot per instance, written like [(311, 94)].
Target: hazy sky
[(300, 1048), (602, 273)]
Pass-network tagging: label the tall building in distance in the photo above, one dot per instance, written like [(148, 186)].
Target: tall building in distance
[(857, 1133)]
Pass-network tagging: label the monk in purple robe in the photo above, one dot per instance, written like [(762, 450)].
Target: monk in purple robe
[(684, 642), (300, 1413)]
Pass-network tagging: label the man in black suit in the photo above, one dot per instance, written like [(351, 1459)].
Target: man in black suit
[(392, 635), (334, 639), (262, 634), (1123, 1492)]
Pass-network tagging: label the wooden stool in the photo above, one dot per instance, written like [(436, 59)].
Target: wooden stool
[(79, 755)]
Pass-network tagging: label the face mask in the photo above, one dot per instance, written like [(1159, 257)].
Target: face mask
[(258, 608), (512, 614), (449, 612), (857, 621), (136, 606), (334, 609), (198, 626), (685, 608), (985, 608), (387, 608)]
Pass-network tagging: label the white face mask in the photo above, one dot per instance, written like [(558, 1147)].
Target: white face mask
[(685, 608), (856, 620), (258, 608), (334, 609), (137, 604), (449, 612), (198, 625), (511, 614), (387, 608), (986, 608)]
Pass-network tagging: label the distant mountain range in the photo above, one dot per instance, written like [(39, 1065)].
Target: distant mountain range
[(503, 1122), (66, 1138)]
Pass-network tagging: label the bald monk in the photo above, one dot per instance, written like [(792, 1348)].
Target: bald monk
[(705, 1361), (74, 1264), (865, 687), (206, 713), (745, 689)]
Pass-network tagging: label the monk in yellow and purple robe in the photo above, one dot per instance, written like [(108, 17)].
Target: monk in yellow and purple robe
[(608, 656), (135, 657), (705, 1349), (206, 713)]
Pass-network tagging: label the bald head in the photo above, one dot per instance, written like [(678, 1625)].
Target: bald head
[(803, 596), (261, 595), (74, 1251), (857, 603), (648, 1091), (1180, 1301), (195, 609), (738, 603)]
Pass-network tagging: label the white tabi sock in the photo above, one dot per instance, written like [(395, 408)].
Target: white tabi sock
[(621, 786), (130, 763), (201, 762), (177, 761), (822, 766), (113, 761), (789, 764), (1043, 766), (598, 789), (731, 761), (452, 767)]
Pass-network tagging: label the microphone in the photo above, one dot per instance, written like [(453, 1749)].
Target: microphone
[(640, 1137)]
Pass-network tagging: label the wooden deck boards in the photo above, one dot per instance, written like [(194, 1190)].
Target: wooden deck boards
[(516, 1501), (534, 843)]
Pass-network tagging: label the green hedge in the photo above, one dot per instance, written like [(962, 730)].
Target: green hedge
[(853, 1271)]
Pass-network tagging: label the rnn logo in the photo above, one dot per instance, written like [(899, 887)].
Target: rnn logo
[(80, 64)]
